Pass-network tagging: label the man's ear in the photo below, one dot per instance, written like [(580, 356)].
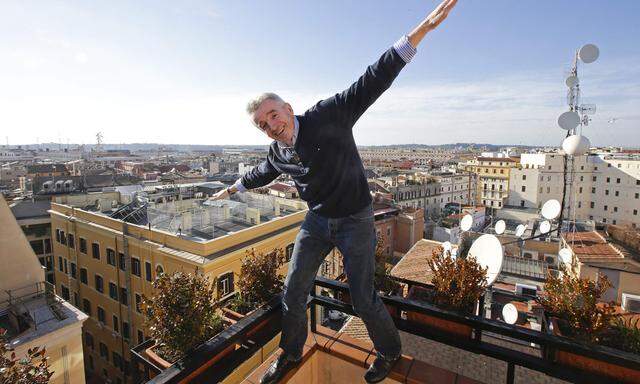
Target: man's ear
[(289, 108)]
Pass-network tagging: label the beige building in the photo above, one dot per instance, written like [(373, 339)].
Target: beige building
[(493, 179), (107, 255), (30, 310)]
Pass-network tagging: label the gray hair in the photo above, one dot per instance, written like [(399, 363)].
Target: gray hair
[(254, 104)]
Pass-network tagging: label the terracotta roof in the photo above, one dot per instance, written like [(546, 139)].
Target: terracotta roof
[(355, 328), (413, 265), (591, 245), (280, 187)]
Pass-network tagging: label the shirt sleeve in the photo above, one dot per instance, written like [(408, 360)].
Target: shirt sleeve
[(404, 48), (238, 185)]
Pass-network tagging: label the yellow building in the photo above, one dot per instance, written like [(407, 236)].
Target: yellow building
[(107, 255), (31, 312), (493, 179)]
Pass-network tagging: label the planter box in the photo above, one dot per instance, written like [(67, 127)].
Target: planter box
[(447, 326), (164, 364), (233, 317), (623, 374)]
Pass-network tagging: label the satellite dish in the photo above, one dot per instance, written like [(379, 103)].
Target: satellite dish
[(569, 120), (520, 230), (454, 253), (487, 251), (576, 145), (545, 226), (500, 227), (510, 313), (572, 81), (565, 255), (466, 222), (588, 53), (551, 209), (446, 246)]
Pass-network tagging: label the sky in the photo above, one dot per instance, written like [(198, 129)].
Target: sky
[(182, 72)]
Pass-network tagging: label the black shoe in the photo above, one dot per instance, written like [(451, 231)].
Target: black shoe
[(379, 369), (278, 369)]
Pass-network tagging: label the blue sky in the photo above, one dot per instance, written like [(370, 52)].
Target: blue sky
[(181, 72)]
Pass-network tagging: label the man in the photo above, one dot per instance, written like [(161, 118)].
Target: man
[(318, 151)]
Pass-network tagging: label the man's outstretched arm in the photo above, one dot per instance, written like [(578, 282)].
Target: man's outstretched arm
[(350, 104)]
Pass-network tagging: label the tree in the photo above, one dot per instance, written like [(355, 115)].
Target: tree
[(33, 368)]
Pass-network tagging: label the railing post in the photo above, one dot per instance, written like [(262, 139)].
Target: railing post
[(313, 308), (511, 372)]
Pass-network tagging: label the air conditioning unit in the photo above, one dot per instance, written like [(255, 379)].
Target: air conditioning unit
[(528, 290), (631, 303)]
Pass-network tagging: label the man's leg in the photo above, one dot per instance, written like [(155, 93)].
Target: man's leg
[(311, 247), (355, 238)]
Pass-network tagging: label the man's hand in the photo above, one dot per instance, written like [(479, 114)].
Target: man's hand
[(223, 194), (431, 22)]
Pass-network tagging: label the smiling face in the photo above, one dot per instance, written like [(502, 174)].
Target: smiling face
[(275, 118)]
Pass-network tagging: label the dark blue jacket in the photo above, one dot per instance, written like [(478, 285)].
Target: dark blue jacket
[(329, 175)]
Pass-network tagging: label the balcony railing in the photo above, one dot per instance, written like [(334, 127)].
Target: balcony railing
[(196, 365)]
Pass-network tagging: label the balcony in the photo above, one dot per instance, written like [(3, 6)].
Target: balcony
[(493, 352)]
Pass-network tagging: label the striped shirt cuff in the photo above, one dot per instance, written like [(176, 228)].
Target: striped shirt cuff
[(404, 48), (239, 186)]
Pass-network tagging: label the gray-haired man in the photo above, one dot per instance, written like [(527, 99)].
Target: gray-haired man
[(318, 151)]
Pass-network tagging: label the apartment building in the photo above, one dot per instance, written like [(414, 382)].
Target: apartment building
[(108, 254), (493, 179), (31, 312), (602, 187), (433, 192)]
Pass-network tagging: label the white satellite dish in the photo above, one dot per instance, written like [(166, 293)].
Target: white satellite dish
[(500, 227), (565, 255), (454, 253), (446, 246), (572, 81), (589, 53), (545, 226), (551, 209), (576, 145), (569, 120), (510, 313), (466, 222), (487, 251), (520, 230)]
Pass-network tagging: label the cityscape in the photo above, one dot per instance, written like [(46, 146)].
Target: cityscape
[(502, 253)]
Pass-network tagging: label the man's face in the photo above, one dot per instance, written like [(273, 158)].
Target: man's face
[(275, 119)]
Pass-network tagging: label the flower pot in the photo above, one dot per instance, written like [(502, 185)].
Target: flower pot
[(155, 358), (444, 325), (617, 372)]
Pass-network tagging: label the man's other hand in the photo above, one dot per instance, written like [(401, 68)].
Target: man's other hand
[(223, 194)]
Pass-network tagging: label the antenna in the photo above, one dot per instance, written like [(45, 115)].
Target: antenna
[(520, 229), (545, 227), (488, 252), (466, 223), (551, 209), (500, 227)]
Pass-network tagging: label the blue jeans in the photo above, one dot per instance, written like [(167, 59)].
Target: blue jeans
[(355, 238)]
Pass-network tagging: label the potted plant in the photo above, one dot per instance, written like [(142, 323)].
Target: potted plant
[(33, 368), (181, 315), (259, 282), (458, 283), (574, 309)]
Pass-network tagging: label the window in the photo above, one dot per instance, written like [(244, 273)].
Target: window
[(635, 212), (66, 267), (608, 179), (147, 270), (60, 267), (606, 192), (593, 205), (63, 238), (117, 360), (135, 266), (159, 270), (37, 246), (83, 276), (225, 284), (524, 177), (57, 235), (606, 208), (637, 195), (99, 284), (95, 250), (83, 245), (88, 340), (289, 252), (140, 337), (593, 189), (86, 307), (138, 303), (615, 209), (548, 189), (522, 203), (122, 261), (104, 351), (111, 257), (116, 324), (388, 231), (73, 270), (618, 180), (113, 291), (524, 189), (124, 297), (65, 292), (617, 193), (101, 315), (71, 240), (125, 330), (580, 190), (594, 178)]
